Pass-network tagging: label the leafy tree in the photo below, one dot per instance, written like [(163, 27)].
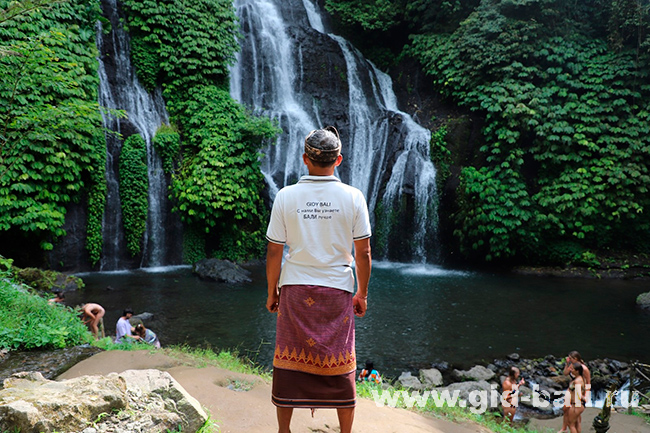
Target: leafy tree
[(50, 124)]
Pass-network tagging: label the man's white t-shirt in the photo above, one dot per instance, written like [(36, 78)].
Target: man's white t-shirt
[(122, 328), (319, 218)]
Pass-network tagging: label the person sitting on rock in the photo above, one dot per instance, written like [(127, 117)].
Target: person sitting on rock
[(369, 374)]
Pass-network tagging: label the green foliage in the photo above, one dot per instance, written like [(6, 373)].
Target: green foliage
[(29, 322), (495, 209), (167, 143), (134, 191), (193, 244), (370, 14), (393, 15), (216, 187), (440, 155), (182, 44), (6, 266), (567, 135), (50, 120), (96, 200), (45, 280), (239, 244), (629, 25), (146, 62)]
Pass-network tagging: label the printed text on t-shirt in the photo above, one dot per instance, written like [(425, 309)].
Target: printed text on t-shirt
[(317, 210)]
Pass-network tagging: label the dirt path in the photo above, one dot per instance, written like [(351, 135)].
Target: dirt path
[(251, 411), (241, 403)]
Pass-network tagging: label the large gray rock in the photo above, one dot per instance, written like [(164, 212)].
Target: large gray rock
[(407, 380), (431, 377), (164, 394), (31, 403), (133, 401), (221, 270), (478, 372), (643, 300)]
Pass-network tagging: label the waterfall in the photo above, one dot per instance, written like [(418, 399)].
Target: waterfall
[(145, 112), (291, 69)]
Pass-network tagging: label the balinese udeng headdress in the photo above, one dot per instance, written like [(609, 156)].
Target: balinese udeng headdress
[(323, 145)]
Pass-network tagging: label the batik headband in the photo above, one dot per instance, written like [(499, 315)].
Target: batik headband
[(331, 143)]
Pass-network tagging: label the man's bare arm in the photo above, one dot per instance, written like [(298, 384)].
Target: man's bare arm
[(273, 267), (363, 264)]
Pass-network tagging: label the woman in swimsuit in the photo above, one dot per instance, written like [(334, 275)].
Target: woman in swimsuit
[(571, 359), (576, 399)]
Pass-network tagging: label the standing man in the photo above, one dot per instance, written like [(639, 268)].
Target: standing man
[(320, 219)]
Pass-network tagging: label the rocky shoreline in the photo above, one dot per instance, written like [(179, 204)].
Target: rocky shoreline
[(544, 375)]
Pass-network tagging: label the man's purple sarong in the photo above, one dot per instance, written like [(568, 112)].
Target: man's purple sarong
[(314, 363)]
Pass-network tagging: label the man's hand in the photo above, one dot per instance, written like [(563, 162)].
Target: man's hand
[(272, 302), (360, 305)]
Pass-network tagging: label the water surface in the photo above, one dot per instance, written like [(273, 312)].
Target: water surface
[(418, 314)]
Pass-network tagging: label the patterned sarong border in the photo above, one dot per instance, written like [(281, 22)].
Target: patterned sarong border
[(315, 331)]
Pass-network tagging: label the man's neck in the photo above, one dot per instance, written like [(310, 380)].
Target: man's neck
[(320, 171)]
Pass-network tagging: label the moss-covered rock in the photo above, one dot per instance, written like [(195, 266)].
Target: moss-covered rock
[(46, 280), (643, 300)]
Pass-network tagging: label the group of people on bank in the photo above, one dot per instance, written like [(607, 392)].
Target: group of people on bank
[(92, 316), (576, 396)]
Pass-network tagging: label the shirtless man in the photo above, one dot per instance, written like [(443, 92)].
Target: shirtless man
[(509, 397), (92, 317)]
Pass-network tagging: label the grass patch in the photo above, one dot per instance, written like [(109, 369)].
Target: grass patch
[(491, 420), (207, 357), (28, 321)]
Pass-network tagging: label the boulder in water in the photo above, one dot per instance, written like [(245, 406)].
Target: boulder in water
[(643, 300), (222, 271)]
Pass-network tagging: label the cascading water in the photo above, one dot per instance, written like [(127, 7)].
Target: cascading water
[(292, 70), (121, 90)]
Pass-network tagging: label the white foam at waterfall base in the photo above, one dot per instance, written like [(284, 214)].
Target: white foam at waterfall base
[(419, 269)]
